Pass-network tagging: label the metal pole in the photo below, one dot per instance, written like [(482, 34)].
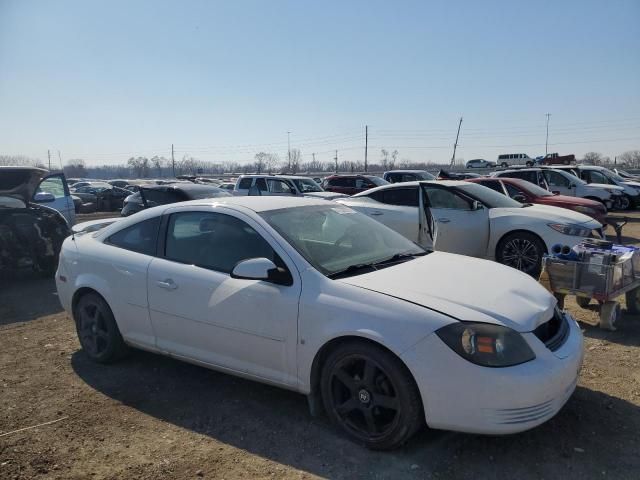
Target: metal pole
[(366, 144), (455, 145), (546, 143), (49, 155), (336, 159), (173, 162)]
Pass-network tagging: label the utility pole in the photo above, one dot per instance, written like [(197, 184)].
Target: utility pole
[(455, 145), (60, 159), (173, 162), (366, 145), (289, 151), (336, 159), (49, 155), (546, 143)]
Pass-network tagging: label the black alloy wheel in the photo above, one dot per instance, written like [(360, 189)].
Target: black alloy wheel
[(522, 251), (97, 330), (371, 395)]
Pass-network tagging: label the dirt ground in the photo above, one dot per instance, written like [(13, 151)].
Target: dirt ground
[(151, 417)]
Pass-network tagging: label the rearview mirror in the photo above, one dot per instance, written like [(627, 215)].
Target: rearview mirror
[(261, 269), (44, 197), (520, 198), (476, 205)]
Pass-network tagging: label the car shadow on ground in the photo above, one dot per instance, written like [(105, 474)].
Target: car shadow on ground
[(627, 329), (275, 424), (16, 307)]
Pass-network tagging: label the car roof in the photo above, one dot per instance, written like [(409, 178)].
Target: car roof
[(446, 183), (403, 171), (266, 175)]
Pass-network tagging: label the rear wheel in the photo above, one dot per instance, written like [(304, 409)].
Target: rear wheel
[(97, 329), (522, 251), (622, 202), (371, 395), (504, 164)]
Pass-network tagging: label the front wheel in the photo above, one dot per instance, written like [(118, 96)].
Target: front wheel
[(504, 164), (522, 251), (371, 395)]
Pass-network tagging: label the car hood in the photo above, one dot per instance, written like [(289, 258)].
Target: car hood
[(20, 182), (325, 195), (457, 286), (570, 201), (548, 214)]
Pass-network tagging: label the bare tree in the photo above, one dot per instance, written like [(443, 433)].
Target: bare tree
[(140, 166), (630, 158), (76, 168), (593, 158), (295, 158), (159, 163)]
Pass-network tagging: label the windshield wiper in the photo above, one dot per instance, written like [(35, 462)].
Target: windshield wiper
[(352, 269)]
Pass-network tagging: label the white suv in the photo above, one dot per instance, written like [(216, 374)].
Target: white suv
[(287, 185)]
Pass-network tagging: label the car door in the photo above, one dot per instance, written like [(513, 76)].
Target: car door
[(558, 183), (201, 313), (397, 208), (453, 222), (60, 199)]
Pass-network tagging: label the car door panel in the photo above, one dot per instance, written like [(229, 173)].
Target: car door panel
[(248, 326)]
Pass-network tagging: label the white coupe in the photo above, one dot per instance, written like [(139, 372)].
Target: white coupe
[(312, 296), (470, 219)]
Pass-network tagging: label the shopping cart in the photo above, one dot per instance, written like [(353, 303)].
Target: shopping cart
[(596, 280)]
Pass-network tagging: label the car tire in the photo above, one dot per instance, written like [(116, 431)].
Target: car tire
[(369, 393), (529, 164), (623, 202), (522, 251), (504, 164), (97, 329)]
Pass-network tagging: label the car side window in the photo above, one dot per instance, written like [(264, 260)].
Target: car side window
[(556, 179), (261, 183), (362, 183), (53, 185), (513, 191), (443, 198), (155, 197), (279, 186), (141, 237), (245, 183), (406, 197), (597, 177), (213, 240)]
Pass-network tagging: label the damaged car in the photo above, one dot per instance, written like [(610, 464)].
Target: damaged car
[(36, 211)]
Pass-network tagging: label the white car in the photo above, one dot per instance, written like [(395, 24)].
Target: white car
[(314, 297), (282, 185), (469, 219)]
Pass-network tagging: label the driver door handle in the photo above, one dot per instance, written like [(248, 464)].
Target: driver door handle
[(444, 220), (375, 213), (167, 284)]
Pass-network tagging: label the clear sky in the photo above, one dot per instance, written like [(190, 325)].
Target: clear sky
[(106, 80)]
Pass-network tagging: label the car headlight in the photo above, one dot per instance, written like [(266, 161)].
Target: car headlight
[(585, 210), (486, 344), (573, 230)]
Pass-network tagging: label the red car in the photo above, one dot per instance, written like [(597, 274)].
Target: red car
[(527, 192), (351, 184)]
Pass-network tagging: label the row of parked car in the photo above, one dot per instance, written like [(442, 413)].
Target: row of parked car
[(356, 301)]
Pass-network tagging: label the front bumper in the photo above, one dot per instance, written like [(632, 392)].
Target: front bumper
[(461, 396)]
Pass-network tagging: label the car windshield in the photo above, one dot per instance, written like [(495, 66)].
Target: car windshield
[(614, 176), (487, 196), (377, 180), (306, 185), (212, 192), (424, 176), (334, 238)]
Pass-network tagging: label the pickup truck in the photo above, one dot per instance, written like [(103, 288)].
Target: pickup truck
[(555, 159)]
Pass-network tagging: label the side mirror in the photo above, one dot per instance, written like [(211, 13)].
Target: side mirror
[(476, 205), (44, 197), (261, 269), (520, 198)]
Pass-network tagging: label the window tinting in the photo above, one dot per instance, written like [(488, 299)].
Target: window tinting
[(245, 183), (213, 240), (141, 237), (407, 197), (155, 197), (513, 191), (493, 185), (261, 183)]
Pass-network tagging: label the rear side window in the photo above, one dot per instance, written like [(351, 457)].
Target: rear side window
[(141, 237), (245, 183), (406, 197), (342, 182), (261, 184), (513, 191)]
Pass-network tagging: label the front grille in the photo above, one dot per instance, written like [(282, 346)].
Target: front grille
[(554, 332)]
